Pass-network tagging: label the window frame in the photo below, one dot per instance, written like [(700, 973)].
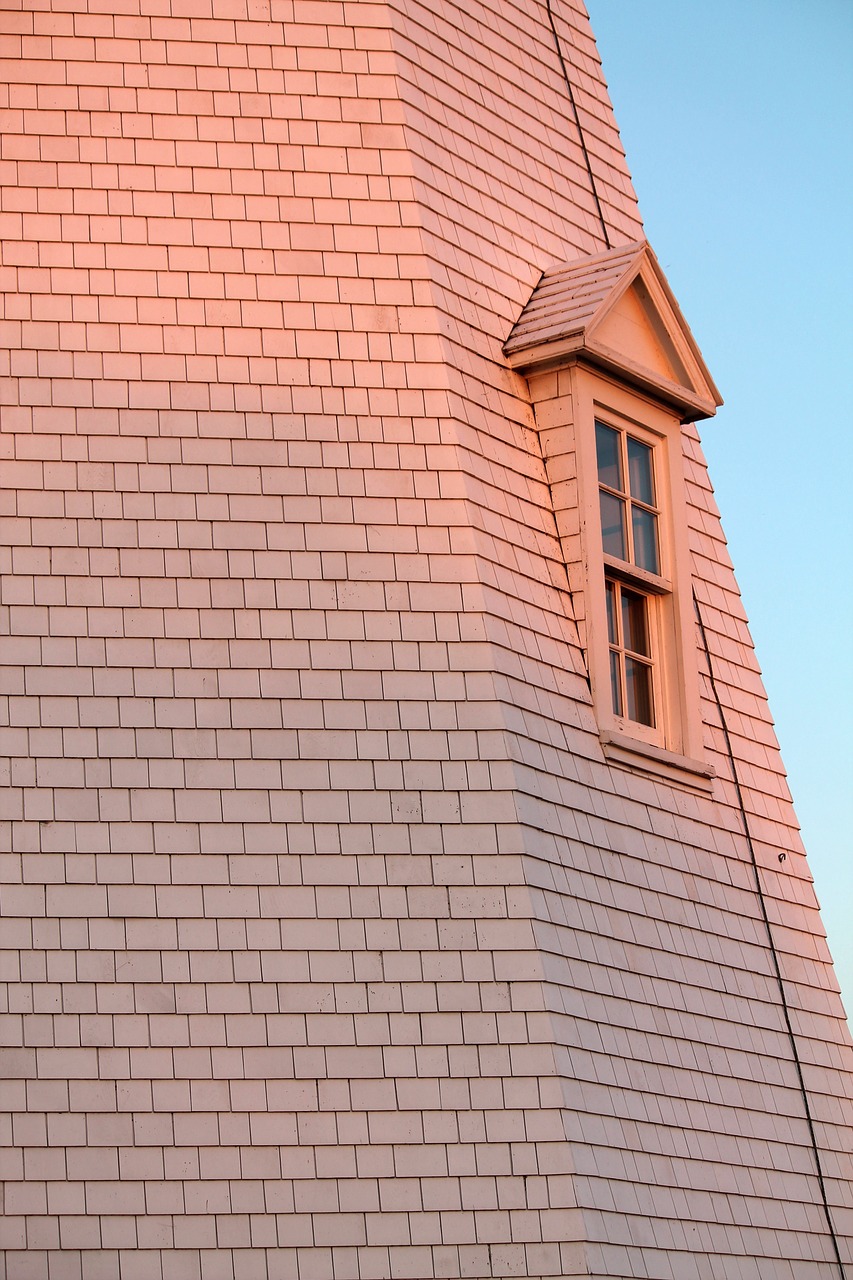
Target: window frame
[(674, 744), (625, 497), (624, 572), (621, 652)]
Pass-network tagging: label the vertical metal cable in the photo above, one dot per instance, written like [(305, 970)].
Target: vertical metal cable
[(578, 123), (776, 966)]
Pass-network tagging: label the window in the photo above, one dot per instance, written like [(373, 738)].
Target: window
[(637, 611), (614, 374), (630, 518), (638, 619), (631, 679)]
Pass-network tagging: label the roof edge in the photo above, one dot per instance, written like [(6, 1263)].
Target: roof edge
[(572, 301)]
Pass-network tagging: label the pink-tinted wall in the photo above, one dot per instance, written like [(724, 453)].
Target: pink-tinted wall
[(335, 947)]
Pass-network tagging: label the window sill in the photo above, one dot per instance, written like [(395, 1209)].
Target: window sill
[(619, 748), (632, 573)]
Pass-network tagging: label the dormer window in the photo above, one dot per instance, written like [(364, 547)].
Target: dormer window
[(631, 666), (626, 498), (614, 373), (630, 538)]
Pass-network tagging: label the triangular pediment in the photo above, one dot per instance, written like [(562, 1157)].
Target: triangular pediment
[(615, 310), (634, 327)]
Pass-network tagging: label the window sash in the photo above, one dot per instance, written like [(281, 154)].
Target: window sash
[(627, 495), (632, 662)]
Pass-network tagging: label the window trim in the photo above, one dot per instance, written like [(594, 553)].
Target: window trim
[(673, 748)]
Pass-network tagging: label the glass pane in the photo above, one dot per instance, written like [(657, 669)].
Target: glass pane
[(645, 527), (640, 471), (615, 685), (613, 525), (634, 627), (610, 591), (609, 462), (638, 691)]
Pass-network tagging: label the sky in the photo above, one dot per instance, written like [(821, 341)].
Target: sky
[(737, 120)]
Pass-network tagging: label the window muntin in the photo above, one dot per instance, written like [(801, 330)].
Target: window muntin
[(627, 498)]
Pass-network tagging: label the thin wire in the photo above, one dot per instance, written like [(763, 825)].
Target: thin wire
[(773, 952), (559, 48)]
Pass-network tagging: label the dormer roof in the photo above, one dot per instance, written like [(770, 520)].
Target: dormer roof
[(616, 311)]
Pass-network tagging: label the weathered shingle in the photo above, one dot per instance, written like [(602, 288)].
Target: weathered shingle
[(568, 296), (334, 946)]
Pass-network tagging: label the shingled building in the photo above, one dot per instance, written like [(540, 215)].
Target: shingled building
[(400, 877)]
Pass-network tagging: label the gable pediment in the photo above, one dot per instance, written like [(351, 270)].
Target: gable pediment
[(615, 310)]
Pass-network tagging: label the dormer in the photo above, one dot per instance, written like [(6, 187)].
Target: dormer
[(616, 312), (614, 372)]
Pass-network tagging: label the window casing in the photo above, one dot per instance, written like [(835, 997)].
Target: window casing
[(639, 624), (630, 536)]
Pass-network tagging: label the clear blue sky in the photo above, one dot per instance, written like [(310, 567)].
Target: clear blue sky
[(737, 119)]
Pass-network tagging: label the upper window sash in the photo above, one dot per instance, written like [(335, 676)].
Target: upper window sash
[(627, 495)]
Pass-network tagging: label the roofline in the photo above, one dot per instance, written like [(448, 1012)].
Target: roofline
[(576, 340)]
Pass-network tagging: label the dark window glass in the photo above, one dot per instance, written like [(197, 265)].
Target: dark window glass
[(638, 691), (634, 626), (615, 685), (640, 471), (610, 591), (609, 462), (645, 529), (613, 533)]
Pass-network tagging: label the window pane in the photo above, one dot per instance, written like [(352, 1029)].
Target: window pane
[(638, 691), (615, 685), (645, 527), (634, 626), (610, 591), (613, 525), (609, 462), (640, 471)]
